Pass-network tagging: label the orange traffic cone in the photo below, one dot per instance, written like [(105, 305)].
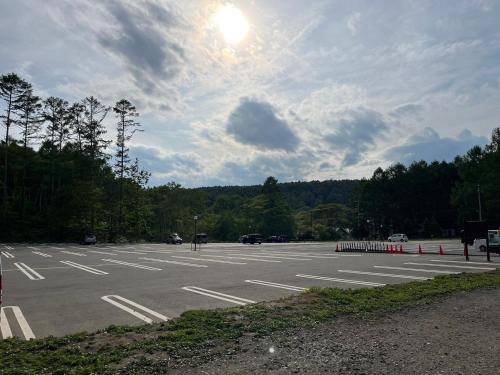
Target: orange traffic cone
[(420, 252), (337, 250), (441, 251)]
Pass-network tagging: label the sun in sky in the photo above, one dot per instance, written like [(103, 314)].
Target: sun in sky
[(231, 23)]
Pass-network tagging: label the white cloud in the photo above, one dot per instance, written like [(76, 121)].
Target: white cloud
[(353, 21), (413, 64)]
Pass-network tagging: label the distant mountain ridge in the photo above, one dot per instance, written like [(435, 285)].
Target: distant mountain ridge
[(299, 195)]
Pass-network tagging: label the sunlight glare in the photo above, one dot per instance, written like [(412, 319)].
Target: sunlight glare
[(231, 23)]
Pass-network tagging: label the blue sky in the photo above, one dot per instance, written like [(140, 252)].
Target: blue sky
[(315, 90)]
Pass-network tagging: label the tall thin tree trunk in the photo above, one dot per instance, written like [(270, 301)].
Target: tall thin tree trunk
[(25, 148), (6, 156)]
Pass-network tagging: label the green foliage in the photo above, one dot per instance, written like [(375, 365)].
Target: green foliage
[(69, 185), (479, 167)]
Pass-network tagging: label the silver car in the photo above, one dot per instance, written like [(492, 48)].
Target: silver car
[(398, 237), (89, 239)]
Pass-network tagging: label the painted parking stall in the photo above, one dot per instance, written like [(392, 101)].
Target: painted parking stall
[(94, 286)]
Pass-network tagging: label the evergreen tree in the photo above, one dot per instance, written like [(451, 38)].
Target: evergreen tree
[(94, 146), (270, 211), (126, 127), (12, 90), (30, 116), (139, 209), (56, 114), (75, 117)]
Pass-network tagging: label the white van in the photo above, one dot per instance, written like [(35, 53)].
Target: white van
[(480, 243), (398, 237)]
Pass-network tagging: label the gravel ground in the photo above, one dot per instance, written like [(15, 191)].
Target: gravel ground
[(457, 335)]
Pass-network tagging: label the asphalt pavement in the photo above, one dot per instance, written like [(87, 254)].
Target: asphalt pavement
[(58, 289)]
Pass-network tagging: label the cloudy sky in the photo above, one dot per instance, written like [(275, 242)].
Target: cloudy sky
[(233, 91)]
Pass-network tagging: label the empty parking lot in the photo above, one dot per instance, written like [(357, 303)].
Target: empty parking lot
[(56, 289)]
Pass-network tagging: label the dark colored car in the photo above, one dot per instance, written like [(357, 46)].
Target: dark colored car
[(174, 239), (278, 239), (89, 239), (201, 238), (284, 239), (273, 239), (251, 239)]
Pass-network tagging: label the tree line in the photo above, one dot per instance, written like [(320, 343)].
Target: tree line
[(431, 199), (68, 185), (61, 177)]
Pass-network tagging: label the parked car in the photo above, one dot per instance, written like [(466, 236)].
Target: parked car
[(201, 238), (398, 237), (251, 239), (284, 238), (495, 245), (174, 239), (480, 243), (89, 239), (278, 239)]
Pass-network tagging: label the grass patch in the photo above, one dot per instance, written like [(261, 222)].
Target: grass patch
[(136, 349)]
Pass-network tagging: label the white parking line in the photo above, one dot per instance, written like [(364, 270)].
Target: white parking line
[(8, 247), (72, 253), (274, 257), (385, 275), (464, 262), (256, 259), (415, 269), (365, 283), (451, 266), (208, 260), (135, 265), (110, 299), (218, 295), (7, 254), (42, 254), (101, 252), (298, 255), (21, 320), (129, 252), (276, 285), (174, 262), (29, 272), (159, 251), (82, 267)]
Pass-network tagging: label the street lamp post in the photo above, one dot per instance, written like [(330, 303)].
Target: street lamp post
[(195, 219)]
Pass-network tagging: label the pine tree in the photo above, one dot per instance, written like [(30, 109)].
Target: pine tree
[(30, 120), (56, 114), (30, 116), (75, 118), (139, 178), (94, 145), (126, 127), (12, 89)]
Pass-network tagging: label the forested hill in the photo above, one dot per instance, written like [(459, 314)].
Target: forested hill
[(298, 195), (60, 178)]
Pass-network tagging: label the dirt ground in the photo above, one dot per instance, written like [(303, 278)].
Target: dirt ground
[(456, 335)]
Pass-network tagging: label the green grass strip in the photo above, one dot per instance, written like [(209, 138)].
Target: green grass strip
[(135, 349)]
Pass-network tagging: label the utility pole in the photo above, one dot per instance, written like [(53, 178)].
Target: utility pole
[(479, 201)]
